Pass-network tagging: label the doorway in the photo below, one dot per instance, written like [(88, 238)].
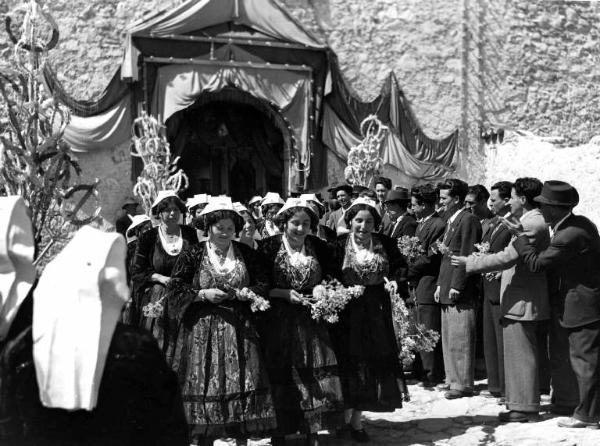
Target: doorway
[(230, 143)]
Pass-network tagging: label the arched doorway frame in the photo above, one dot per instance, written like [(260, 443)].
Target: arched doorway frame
[(234, 95)]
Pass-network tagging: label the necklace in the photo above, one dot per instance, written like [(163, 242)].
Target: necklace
[(363, 255), (222, 263), (171, 243)]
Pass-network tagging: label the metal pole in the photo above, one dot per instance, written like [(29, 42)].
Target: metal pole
[(465, 81)]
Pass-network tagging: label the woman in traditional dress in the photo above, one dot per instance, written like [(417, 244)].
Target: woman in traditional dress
[(269, 207), (157, 251), (216, 355), (299, 351), (370, 369), (248, 235), (139, 225)]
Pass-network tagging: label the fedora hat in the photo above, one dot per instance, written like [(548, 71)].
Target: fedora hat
[(397, 195), (558, 193)]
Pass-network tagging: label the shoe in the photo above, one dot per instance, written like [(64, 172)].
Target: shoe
[(454, 394), (561, 410), (443, 386), (575, 423), (488, 394), (359, 435), (427, 384), (516, 416)]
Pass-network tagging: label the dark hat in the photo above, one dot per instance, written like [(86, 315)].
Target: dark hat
[(385, 181), (397, 195), (357, 189), (558, 193), (341, 186)]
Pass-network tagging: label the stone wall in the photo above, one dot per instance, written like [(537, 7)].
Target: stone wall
[(539, 73)]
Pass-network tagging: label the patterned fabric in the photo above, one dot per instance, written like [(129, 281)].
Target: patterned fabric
[(299, 351), (150, 257), (216, 356), (371, 373)]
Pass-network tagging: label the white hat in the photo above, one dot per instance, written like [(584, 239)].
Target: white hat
[(136, 220), (196, 200), (311, 197), (17, 272), (272, 198), (76, 307), (239, 207), (367, 201), (221, 203), (297, 203), (163, 195), (255, 199)]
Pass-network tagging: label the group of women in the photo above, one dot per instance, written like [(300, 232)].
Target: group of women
[(246, 373)]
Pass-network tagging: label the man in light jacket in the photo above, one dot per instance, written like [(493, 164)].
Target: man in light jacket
[(523, 304)]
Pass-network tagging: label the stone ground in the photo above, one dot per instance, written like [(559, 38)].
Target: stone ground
[(430, 419)]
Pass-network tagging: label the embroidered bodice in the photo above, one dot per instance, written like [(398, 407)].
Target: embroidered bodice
[(365, 266)]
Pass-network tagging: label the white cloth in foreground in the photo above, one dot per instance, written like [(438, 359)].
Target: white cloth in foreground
[(17, 272), (76, 307)]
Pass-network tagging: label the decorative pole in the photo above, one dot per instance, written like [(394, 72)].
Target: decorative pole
[(364, 161), (35, 160)]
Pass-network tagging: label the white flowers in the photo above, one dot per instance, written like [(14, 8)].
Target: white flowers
[(330, 298), (257, 303)]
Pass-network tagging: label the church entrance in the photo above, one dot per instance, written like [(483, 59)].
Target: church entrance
[(230, 143)]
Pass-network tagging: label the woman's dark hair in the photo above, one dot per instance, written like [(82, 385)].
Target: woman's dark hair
[(351, 213), (160, 207), (529, 188), (286, 215), (247, 215), (216, 216), (267, 207)]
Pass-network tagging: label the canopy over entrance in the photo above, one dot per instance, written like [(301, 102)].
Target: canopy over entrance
[(175, 57)]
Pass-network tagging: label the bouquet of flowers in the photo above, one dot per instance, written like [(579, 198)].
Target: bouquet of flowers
[(410, 247), (482, 248), (410, 335), (153, 309), (257, 303), (440, 247), (329, 298)]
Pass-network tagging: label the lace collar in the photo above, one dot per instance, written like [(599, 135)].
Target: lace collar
[(225, 266), (171, 248)]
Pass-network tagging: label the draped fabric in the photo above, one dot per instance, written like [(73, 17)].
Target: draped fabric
[(306, 90), (178, 86), (263, 15)]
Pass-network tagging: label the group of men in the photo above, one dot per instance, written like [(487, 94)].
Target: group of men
[(519, 257)]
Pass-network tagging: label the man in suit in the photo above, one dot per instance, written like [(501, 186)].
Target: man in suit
[(424, 272), (523, 304), (383, 186), (402, 222), (343, 194), (456, 292), (476, 201), (498, 237), (573, 260)]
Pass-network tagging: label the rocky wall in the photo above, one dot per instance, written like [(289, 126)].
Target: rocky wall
[(540, 72)]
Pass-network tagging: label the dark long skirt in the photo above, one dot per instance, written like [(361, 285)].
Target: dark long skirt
[(370, 370), (155, 325), (303, 370), (221, 371)]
